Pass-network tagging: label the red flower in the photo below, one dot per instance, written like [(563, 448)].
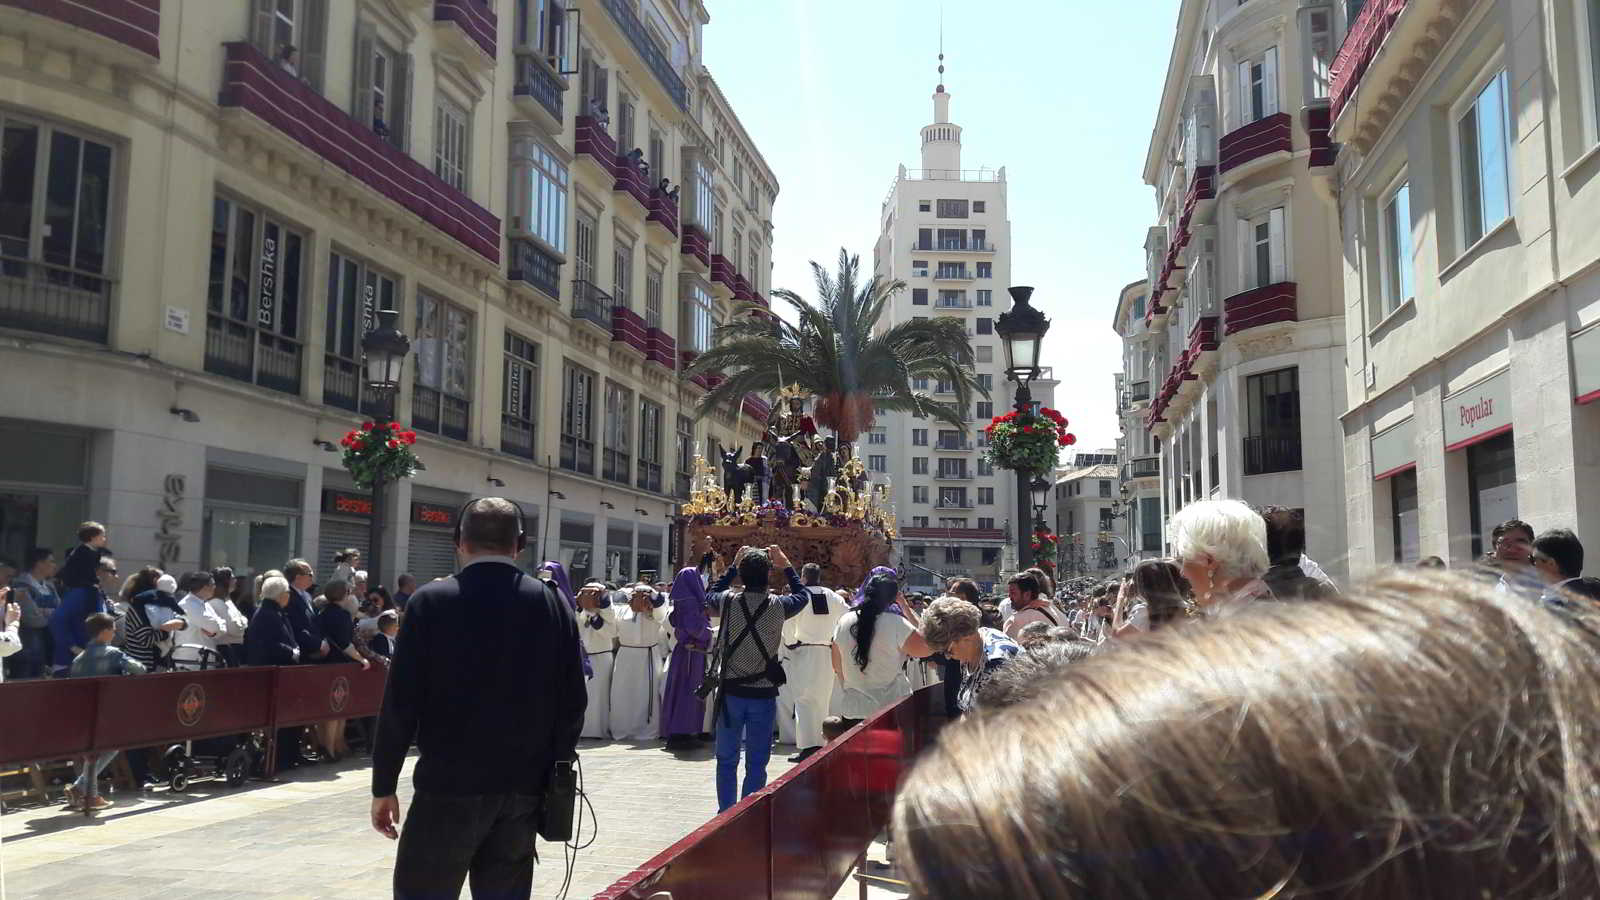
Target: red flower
[(1027, 429), (366, 426), (409, 437), (1052, 539), (1071, 439), (394, 444), (1035, 545)]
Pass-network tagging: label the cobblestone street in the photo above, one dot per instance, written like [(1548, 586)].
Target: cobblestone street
[(308, 837)]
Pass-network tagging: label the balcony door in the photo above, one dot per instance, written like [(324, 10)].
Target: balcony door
[(583, 248)]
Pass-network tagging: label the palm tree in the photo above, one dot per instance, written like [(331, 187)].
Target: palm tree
[(836, 351)]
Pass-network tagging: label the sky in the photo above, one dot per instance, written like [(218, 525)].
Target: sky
[(835, 92)]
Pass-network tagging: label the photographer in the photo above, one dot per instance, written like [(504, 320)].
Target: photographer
[(748, 641)]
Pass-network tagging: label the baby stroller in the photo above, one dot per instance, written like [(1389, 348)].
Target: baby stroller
[(231, 757)]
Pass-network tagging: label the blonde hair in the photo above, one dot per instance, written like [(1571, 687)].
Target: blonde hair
[(1425, 737)]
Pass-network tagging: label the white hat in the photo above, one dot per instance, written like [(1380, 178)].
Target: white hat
[(167, 584)]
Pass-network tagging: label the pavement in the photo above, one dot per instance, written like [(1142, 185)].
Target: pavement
[(308, 837)]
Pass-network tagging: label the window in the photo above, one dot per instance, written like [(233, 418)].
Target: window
[(441, 398), (985, 496), (985, 325), (1105, 491), (1403, 520), (383, 87), (878, 435), (1138, 308), (919, 437), (652, 297), (1258, 87), (301, 24), (694, 327), (541, 26), (919, 269), (649, 446), (987, 524), (923, 205), (584, 243), (978, 206), (656, 156), (617, 455), (577, 420), (919, 465), (1491, 487), (919, 493), (985, 354), (985, 382), (919, 384), (919, 296), (452, 125), (520, 390), (951, 270), (1150, 524), (541, 181), (1317, 25), (253, 302), (625, 119), (622, 273), (1397, 265), (685, 469), (1482, 138), (953, 497), (917, 554), (952, 522), (355, 294), (985, 467), (952, 556), (953, 299), (1272, 429), (919, 521), (952, 468), (877, 462), (952, 209), (985, 298), (985, 270), (1262, 241), (985, 410)]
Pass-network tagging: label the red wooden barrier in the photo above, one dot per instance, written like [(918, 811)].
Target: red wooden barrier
[(47, 719), (800, 836), (147, 710), (307, 694)]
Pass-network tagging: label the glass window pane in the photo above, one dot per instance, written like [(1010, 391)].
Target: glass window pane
[(1471, 186), (19, 150), (1402, 243), (289, 286), (61, 199), (1492, 151), (218, 272), (94, 201)]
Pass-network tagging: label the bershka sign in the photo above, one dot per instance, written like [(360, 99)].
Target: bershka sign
[(346, 504), (1478, 412)]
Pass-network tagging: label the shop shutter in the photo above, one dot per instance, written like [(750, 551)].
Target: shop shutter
[(336, 536), (432, 554)]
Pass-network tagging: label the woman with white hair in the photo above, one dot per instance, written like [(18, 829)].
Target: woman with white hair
[(1221, 546)]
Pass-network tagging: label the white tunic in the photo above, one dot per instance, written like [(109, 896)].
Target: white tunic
[(598, 643), (191, 642), (636, 683), (810, 665)]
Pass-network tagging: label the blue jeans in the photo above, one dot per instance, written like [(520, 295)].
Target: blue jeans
[(98, 766), (753, 720)]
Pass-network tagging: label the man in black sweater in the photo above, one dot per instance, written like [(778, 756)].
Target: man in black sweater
[(488, 682)]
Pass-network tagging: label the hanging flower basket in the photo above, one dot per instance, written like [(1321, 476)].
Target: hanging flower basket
[(1044, 549), (375, 449), (1029, 442)]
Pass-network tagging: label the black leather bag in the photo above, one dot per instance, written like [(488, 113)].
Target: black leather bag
[(560, 800)]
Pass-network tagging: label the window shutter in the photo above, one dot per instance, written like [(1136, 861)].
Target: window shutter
[(400, 116), (314, 43), (1275, 247), (1246, 113), (361, 97), (261, 27), (1269, 83), (1247, 274)]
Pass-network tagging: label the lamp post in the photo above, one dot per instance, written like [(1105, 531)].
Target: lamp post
[(1021, 329), (384, 349)]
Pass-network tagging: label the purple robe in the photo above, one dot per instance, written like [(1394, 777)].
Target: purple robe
[(681, 711), (563, 587)]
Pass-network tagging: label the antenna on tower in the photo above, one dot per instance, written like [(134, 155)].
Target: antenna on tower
[(941, 46)]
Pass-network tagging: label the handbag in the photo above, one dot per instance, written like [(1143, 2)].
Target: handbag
[(713, 676), (560, 800)]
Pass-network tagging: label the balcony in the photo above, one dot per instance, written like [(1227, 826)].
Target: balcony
[(252, 83), (755, 407), (532, 264), (722, 271), (517, 437), (954, 503), (632, 180), (592, 305), (1202, 339), (663, 349), (342, 385), (1360, 47), (649, 476), (1265, 455), (1145, 467), (1257, 140), (943, 303), (627, 328), (235, 350), (954, 447), (539, 91), (577, 454), (469, 25), (704, 382), (696, 248), (48, 299), (663, 210), (655, 59), (953, 475), (439, 413), (952, 274), (135, 24), (1138, 392), (1202, 195), (955, 534), (591, 141), (1261, 306), (1318, 123), (953, 246)]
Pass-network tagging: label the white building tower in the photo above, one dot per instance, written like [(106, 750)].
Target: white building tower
[(944, 232)]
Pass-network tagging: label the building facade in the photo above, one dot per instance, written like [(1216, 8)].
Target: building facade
[(944, 231), (1243, 320), (1143, 526), (1088, 504), (205, 202), (1467, 179)]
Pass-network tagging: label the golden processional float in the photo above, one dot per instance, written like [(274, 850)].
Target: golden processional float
[(793, 489)]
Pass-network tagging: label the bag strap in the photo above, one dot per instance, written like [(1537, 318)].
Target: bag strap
[(750, 620)]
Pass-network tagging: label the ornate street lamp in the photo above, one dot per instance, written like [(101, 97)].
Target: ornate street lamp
[(1021, 330), (384, 350)]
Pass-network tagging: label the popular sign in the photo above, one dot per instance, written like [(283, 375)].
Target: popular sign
[(1480, 411)]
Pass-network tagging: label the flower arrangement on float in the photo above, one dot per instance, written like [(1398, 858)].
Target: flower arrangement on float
[(378, 448), (1028, 442)]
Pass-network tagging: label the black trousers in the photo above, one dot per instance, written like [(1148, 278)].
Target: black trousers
[(446, 838)]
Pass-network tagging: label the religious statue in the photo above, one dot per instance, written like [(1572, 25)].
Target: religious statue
[(823, 469), (793, 437)]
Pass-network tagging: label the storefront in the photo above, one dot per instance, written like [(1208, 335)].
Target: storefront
[(651, 565), (44, 477), (251, 521), (345, 524), (1477, 421), (1394, 459), (431, 542), (619, 551), (576, 546)]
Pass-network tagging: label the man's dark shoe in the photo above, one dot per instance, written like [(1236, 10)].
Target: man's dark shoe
[(803, 755)]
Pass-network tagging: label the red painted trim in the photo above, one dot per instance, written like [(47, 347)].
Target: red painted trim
[(1477, 438), (1588, 398), (1394, 471)]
